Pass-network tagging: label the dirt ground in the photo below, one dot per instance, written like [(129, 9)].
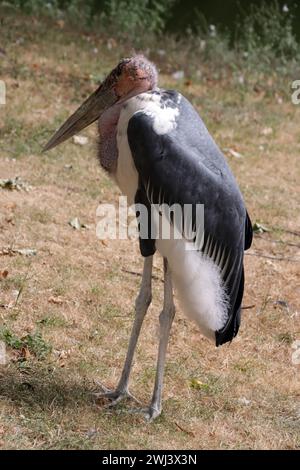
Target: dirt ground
[(66, 312)]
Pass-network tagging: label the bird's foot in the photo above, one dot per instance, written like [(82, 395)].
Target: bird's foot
[(113, 396), (149, 413)]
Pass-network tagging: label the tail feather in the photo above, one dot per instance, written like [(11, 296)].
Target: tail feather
[(231, 328), (248, 232)]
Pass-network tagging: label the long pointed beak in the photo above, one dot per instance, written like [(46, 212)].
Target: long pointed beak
[(86, 114)]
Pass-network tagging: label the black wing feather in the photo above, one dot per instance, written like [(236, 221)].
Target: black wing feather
[(185, 166)]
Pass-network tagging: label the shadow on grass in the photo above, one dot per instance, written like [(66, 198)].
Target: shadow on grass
[(44, 387)]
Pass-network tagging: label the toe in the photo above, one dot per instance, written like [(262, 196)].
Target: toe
[(151, 414)]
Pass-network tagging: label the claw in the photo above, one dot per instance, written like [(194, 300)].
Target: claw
[(102, 386), (115, 396), (149, 413)]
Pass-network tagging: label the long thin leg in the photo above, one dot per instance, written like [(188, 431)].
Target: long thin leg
[(141, 306), (165, 320)]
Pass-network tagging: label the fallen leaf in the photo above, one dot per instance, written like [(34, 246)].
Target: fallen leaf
[(75, 223), (63, 354), (14, 251), (14, 184), (91, 432), (233, 153), (267, 131), (26, 252), (197, 384), (258, 228), (25, 354), (56, 300), (178, 75), (80, 139), (244, 401), (3, 274)]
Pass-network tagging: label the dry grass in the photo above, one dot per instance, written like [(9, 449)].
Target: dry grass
[(250, 392)]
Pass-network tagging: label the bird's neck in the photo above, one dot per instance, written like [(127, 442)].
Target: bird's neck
[(108, 150), (107, 126)]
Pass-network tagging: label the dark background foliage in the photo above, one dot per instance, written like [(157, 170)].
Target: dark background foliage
[(176, 15)]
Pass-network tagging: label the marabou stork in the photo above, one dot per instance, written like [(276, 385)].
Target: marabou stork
[(158, 150)]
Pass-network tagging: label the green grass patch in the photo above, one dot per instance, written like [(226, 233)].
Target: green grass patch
[(35, 343)]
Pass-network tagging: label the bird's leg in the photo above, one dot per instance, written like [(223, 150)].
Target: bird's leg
[(142, 303), (165, 321), (141, 306)]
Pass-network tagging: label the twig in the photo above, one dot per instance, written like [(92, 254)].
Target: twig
[(293, 232), (6, 149), (24, 280), (190, 433), (265, 301), (247, 307), (156, 278), (297, 234), (278, 241), (276, 258)]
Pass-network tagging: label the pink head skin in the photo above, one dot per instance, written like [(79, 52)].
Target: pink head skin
[(131, 77)]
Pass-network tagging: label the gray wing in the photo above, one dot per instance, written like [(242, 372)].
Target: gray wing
[(185, 166)]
